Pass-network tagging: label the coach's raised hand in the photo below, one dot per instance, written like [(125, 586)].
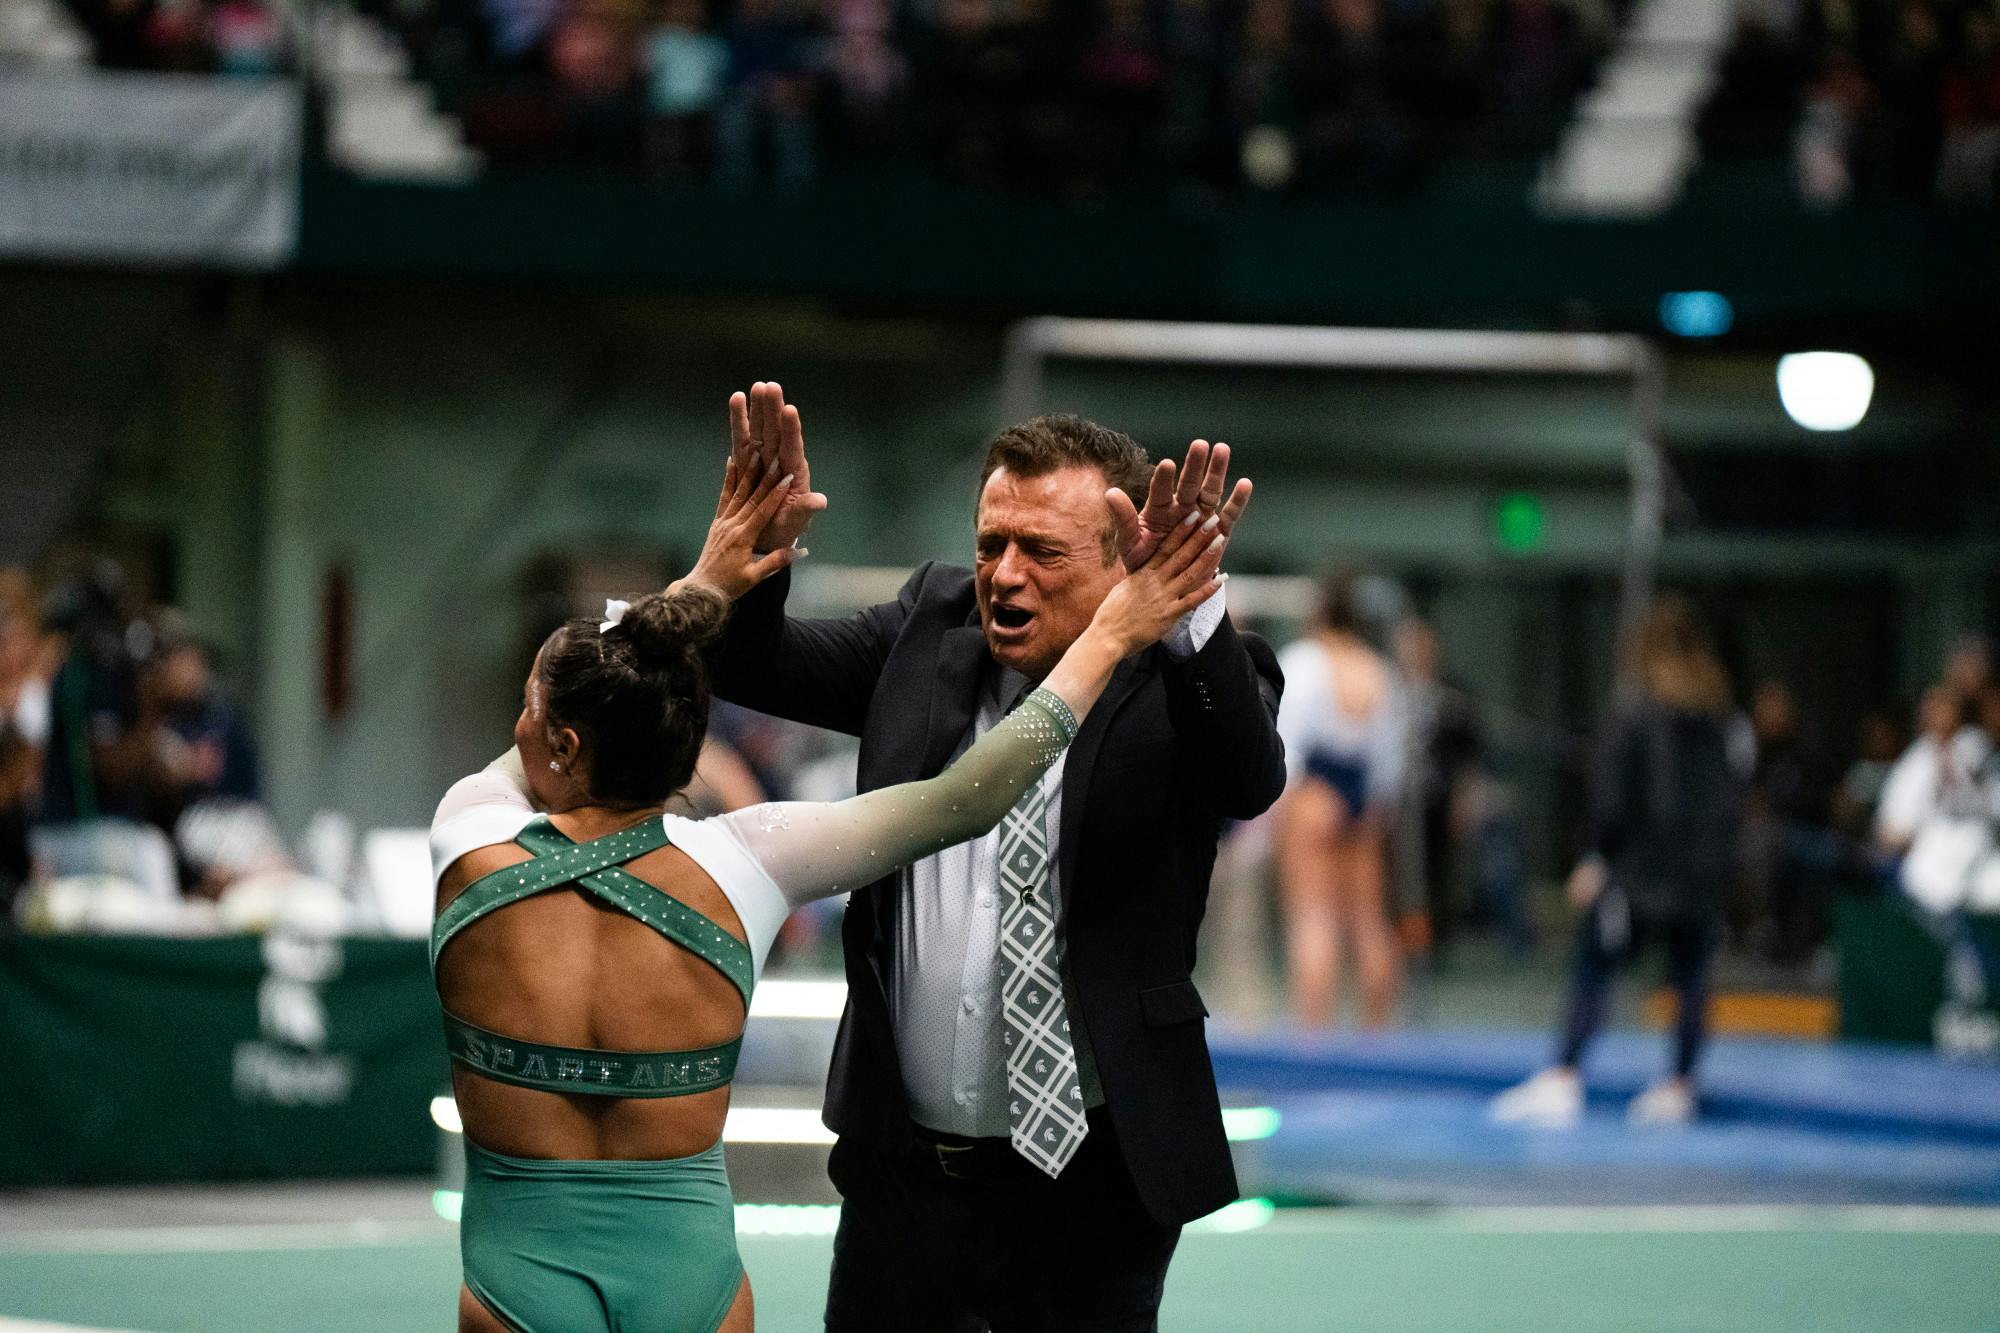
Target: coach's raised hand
[(1196, 486), (765, 436)]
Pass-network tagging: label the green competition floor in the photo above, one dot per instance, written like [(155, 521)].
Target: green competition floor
[(1685, 1270)]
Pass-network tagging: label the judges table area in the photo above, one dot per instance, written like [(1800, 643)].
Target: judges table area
[(135, 1059)]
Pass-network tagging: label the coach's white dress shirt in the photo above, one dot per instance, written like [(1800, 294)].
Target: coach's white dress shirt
[(944, 978)]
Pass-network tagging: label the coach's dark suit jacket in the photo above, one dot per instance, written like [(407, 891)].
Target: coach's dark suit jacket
[(1168, 751)]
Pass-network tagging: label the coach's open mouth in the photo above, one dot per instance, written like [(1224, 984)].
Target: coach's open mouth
[(1012, 617)]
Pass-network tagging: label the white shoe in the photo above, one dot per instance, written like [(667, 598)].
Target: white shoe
[(1664, 1104), (1552, 1099)]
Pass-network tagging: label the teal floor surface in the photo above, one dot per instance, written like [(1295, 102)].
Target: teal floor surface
[(1684, 1271)]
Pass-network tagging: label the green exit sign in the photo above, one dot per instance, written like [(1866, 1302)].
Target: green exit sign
[(1520, 524)]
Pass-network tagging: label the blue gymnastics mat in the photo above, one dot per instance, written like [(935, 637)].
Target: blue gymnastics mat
[(1401, 1118)]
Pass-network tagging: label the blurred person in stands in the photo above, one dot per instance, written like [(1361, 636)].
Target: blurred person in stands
[(1121, 93), (120, 32), (1267, 81), (519, 29), (1937, 810), (1194, 122), (1540, 59), (1784, 847), (1443, 737), (100, 753), (1968, 666), (178, 36), (24, 728), (594, 53), (1937, 775), (573, 910), (687, 63), (1877, 745), (206, 790), (1359, 132), (868, 81), (210, 748), (1969, 164), (1344, 725), (247, 38), (767, 110), (1838, 142), (1912, 79), (1665, 808), (103, 762)]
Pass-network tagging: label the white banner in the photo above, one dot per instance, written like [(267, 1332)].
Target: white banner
[(168, 168)]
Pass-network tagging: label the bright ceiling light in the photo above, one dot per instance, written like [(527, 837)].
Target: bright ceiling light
[(1825, 390)]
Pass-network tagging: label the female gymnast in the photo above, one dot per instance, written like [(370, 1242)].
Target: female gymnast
[(595, 957), (1345, 732)]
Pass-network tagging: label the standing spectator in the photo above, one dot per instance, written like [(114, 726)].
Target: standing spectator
[(1664, 814), (1343, 723)]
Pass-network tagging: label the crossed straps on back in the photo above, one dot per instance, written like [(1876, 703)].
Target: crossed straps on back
[(596, 868)]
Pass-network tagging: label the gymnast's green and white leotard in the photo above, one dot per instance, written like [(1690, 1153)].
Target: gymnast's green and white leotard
[(650, 1246)]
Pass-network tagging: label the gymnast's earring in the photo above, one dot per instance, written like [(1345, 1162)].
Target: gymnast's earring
[(554, 767)]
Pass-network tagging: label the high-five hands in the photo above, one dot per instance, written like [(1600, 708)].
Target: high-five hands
[(1195, 487), (1179, 575), (752, 499), (765, 430)]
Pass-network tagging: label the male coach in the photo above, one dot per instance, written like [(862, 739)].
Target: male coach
[(1021, 1084)]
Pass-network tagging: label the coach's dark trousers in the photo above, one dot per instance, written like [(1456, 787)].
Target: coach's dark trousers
[(958, 1235)]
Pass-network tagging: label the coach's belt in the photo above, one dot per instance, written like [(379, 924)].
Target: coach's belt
[(958, 1158)]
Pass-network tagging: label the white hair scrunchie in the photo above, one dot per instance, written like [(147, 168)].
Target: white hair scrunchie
[(614, 611)]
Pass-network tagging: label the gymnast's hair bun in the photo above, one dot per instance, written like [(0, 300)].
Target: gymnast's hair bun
[(637, 692), (672, 631)]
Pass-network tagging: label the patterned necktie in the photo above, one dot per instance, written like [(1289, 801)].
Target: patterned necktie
[(1044, 1099)]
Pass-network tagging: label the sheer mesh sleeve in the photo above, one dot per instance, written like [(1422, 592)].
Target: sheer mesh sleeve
[(812, 849), (489, 806)]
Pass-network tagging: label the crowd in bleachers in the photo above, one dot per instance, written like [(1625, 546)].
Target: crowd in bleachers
[(1866, 97), (1065, 98), (1862, 98), (187, 36)]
